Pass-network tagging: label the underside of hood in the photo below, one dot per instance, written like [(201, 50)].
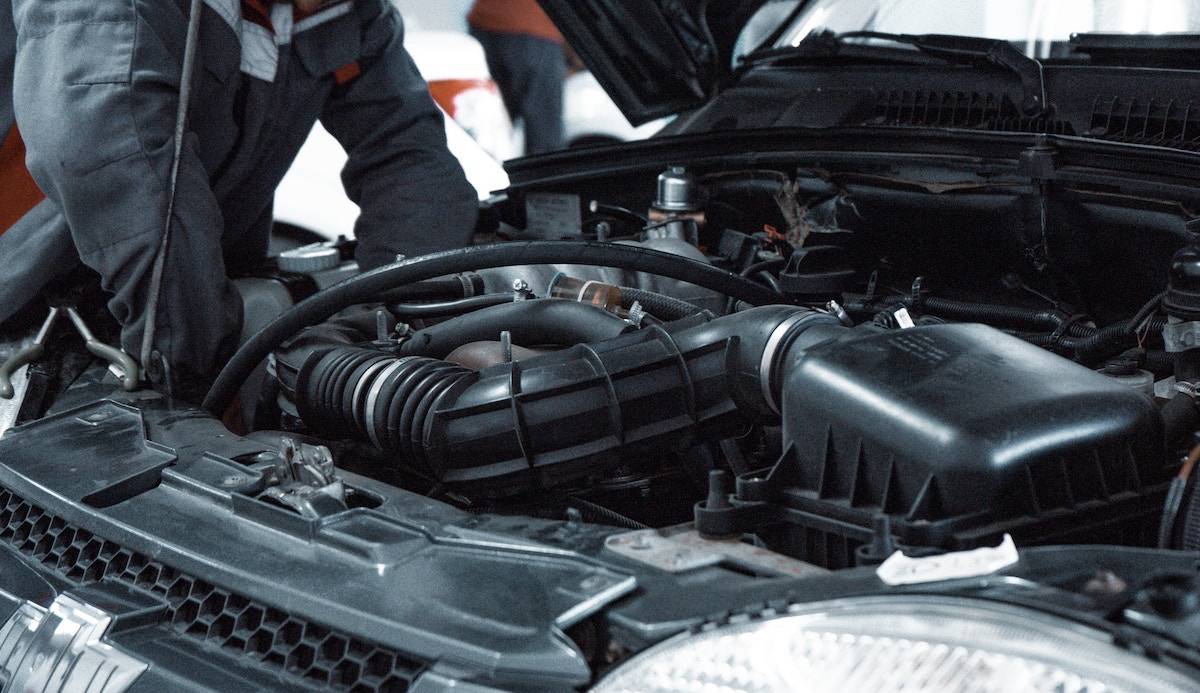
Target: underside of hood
[(654, 57)]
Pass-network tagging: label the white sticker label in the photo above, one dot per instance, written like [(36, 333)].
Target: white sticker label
[(553, 216), (899, 569), (903, 319)]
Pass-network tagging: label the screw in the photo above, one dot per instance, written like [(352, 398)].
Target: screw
[(718, 489), (520, 285), (506, 346), (641, 542), (381, 326)]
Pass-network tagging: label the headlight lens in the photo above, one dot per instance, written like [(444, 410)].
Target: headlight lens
[(894, 645)]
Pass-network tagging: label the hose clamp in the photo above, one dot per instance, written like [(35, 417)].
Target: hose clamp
[(774, 342), (1181, 336), (363, 380), (373, 396)]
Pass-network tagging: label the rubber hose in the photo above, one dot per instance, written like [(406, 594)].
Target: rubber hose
[(659, 305), (531, 323), (1000, 315), (764, 266), (465, 285), (1180, 418), (369, 286), (1106, 342), (437, 310), (1159, 362)]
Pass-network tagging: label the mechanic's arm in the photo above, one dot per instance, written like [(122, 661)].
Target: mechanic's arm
[(412, 191), (95, 94)]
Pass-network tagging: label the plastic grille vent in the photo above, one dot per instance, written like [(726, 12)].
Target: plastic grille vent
[(969, 110), (1164, 123), (267, 637)]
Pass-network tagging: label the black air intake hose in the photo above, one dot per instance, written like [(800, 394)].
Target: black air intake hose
[(531, 323), (560, 416)]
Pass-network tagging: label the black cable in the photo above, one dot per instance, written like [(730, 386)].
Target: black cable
[(369, 286), (597, 207), (154, 369), (755, 269), (1147, 310), (770, 281), (594, 512), (1001, 315), (1108, 341), (763, 266)]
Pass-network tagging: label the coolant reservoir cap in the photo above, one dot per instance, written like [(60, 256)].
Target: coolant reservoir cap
[(310, 258)]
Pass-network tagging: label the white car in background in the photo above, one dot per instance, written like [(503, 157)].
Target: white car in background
[(478, 132), (590, 116), (478, 128)]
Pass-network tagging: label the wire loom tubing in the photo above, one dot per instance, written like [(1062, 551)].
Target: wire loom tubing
[(369, 286)]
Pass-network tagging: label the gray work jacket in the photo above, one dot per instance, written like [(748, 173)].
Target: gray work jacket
[(93, 86)]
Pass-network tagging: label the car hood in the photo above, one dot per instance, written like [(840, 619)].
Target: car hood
[(655, 57)]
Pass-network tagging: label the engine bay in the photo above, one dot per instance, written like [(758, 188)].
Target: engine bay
[(827, 364), (720, 376)]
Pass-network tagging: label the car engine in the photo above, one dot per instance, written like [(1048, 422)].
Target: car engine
[(820, 387)]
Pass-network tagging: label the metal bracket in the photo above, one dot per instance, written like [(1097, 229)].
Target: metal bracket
[(122, 365), (305, 480), (1181, 336), (681, 548)]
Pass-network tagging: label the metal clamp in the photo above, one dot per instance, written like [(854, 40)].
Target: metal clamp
[(1181, 336), (125, 367)]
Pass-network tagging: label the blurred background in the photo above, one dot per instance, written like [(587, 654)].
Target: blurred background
[(472, 82), (480, 130)]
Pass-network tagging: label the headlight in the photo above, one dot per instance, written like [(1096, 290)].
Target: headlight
[(894, 645)]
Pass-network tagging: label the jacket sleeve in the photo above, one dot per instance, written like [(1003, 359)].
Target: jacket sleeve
[(413, 194), (96, 88)]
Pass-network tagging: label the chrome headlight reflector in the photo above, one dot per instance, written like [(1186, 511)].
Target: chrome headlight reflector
[(896, 645)]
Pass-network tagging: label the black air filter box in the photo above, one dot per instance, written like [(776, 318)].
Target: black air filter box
[(959, 433)]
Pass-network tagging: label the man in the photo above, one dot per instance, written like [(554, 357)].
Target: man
[(91, 89), (525, 56)]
